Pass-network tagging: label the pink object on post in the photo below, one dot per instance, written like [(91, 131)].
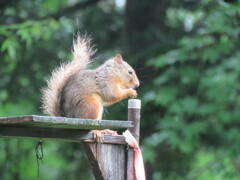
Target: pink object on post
[(138, 160)]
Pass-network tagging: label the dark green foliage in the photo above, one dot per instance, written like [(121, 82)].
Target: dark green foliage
[(186, 54), (197, 92)]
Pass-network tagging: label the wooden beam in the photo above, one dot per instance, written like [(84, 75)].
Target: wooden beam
[(65, 123), (134, 107), (71, 135), (134, 115), (107, 160)]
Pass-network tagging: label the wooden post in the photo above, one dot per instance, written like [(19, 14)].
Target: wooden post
[(134, 107), (107, 160)]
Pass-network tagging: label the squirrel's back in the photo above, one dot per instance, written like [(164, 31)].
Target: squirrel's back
[(51, 95)]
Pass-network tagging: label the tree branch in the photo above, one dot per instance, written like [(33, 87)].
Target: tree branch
[(73, 8)]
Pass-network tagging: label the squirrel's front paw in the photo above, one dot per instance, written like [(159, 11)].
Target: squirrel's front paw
[(110, 132), (97, 136), (132, 93)]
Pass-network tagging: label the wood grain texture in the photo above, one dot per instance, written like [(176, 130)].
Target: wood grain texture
[(63, 122), (71, 135), (133, 116), (107, 160), (130, 163)]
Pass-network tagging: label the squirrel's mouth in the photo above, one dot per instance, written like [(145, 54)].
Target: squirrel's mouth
[(126, 86), (129, 87)]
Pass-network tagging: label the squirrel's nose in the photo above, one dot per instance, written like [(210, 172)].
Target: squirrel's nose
[(137, 85)]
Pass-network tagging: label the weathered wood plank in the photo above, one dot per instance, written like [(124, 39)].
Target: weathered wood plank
[(130, 162), (107, 160), (134, 107), (134, 115), (72, 135), (63, 122)]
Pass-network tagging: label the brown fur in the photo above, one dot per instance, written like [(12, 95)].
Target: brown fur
[(51, 95), (82, 93)]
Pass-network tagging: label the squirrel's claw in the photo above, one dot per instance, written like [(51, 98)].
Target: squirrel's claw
[(110, 132), (133, 93), (97, 136)]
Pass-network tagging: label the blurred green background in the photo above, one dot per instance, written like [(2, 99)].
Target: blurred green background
[(186, 54)]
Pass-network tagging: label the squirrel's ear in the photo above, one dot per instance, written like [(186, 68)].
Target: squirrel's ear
[(118, 59)]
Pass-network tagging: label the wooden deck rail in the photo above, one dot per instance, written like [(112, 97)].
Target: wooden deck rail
[(110, 160)]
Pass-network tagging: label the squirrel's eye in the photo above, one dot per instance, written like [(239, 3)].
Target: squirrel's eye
[(130, 71)]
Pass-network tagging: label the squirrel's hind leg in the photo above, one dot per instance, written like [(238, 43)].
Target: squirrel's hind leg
[(91, 109)]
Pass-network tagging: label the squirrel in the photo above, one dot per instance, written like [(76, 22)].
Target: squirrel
[(78, 92)]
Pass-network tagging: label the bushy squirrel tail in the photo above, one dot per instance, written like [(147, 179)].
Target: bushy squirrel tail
[(51, 95)]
